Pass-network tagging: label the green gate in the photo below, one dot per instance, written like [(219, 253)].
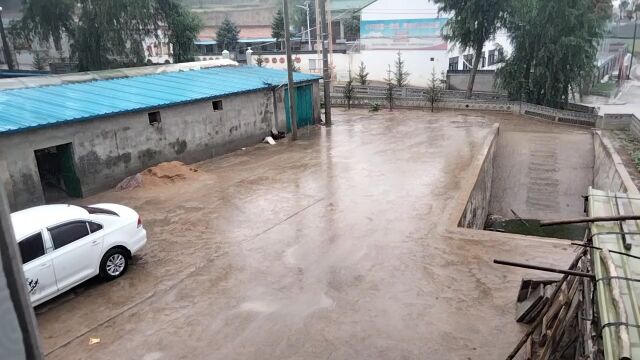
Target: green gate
[(68, 171), (304, 106)]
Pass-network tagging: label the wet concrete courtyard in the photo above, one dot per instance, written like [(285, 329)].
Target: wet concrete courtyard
[(337, 246)]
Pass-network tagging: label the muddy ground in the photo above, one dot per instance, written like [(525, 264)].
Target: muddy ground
[(333, 247)]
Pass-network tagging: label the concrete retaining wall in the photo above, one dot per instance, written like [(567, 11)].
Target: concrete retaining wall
[(108, 149), (458, 80), (609, 172), (476, 208), (634, 126), (615, 121)]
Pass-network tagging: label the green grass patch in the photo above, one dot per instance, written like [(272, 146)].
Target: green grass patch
[(607, 87), (631, 144)]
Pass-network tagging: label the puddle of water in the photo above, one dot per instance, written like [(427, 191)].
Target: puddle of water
[(532, 228)]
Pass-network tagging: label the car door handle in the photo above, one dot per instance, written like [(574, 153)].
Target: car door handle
[(95, 242), (44, 266)]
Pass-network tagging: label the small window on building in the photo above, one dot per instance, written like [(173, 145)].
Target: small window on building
[(483, 60), (315, 64), (217, 105), (432, 59), (31, 248), (453, 63), (492, 57), (468, 62), (500, 55), (154, 118)]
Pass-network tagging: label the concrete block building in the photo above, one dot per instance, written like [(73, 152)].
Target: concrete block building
[(75, 139)]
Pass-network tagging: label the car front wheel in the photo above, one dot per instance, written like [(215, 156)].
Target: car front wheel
[(114, 264)]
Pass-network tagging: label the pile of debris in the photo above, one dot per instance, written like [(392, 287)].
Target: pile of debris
[(162, 174)]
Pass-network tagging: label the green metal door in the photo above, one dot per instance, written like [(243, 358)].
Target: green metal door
[(68, 171), (304, 106)]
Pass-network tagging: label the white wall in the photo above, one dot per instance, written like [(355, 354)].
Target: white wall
[(400, 9), (341, 63)]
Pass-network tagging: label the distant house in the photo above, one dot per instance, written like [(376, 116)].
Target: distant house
[(414, 27)]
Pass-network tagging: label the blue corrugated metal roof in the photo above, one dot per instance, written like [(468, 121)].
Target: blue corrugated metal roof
[(28, 108)]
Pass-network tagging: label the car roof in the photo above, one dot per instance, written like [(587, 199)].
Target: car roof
[(28, 221)]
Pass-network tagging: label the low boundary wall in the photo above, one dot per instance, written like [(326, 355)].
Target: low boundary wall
[(609, 172), (414, 98)]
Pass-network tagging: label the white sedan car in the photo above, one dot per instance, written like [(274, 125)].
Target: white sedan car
[(64, 245)]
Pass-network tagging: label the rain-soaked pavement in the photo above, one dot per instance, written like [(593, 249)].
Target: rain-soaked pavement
[(334, 247)]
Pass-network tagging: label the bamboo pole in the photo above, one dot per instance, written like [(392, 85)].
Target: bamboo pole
[(614, 284), (553, 296), (590, 219)]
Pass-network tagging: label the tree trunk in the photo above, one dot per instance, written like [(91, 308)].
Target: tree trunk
[(474, 69)]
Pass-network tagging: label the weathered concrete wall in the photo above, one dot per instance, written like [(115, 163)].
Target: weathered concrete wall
[(107, 150), (634, 126), (476, 209), (609, 172), (615, 121), (485, 80)]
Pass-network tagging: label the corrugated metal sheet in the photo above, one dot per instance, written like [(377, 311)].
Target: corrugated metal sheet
[(23, 109), (603, 203)]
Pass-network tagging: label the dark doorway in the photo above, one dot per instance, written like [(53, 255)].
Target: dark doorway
[(57, 173)]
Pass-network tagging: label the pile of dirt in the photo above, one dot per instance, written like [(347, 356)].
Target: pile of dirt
[(162, 174)]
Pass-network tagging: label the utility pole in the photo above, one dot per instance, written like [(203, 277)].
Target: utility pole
[(633, 47), (17, 320), (306, 7), (5, 45), (292, 90), (325, 65)]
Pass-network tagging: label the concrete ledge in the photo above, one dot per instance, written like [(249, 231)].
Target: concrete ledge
[(471, 206)]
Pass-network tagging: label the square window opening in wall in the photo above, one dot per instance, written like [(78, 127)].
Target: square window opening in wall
[(217, 105), (154, 118)]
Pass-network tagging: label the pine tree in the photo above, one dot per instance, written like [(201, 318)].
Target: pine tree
[(434, 91), (362, 74), (227, 34), (400, 75), (40, 60), (277, 28), (349, 91), (390, 87)]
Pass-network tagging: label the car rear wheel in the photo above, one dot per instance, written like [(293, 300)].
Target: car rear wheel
[(114, 264)]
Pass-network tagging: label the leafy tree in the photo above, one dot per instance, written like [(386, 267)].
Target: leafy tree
[(471, 24), (183, 27), (277, 28), (434, 91), (107, 33), (622, 6), (548, 62), (227, 34), (390, 87), (349, 91), (48, 19), (259, 60), (362, 74), (352, 26), (400, 75)]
